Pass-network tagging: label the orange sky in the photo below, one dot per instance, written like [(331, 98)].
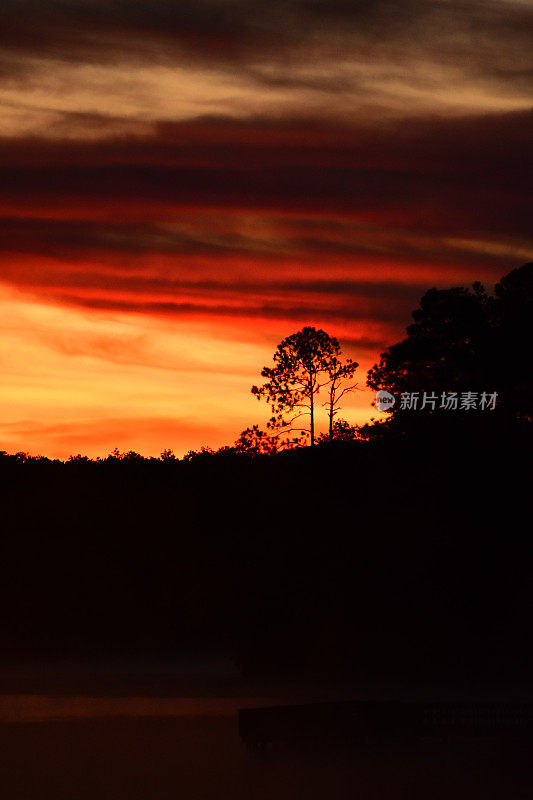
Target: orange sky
[(183, 185)]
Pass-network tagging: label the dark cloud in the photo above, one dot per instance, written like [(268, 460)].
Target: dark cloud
[(460, 177), (490, 38), (97, 279), (299, 313), (233, 25), (423, 143), (73, 239), (112, 245)]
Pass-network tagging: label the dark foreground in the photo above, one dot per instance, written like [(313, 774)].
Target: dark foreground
[(203, 758), (407, 558)]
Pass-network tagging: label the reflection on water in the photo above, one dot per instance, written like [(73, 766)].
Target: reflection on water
[(43, 708), (149, 748)]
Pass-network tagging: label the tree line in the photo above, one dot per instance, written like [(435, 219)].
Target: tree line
[(460, 340)]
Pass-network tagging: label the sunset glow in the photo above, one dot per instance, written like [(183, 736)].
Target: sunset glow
[(183, 188)]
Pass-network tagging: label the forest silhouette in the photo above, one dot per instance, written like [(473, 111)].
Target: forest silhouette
[(400, 548)]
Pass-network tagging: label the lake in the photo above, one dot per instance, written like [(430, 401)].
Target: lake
[(137, 734)]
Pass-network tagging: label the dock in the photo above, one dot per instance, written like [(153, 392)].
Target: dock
[(385, 720)]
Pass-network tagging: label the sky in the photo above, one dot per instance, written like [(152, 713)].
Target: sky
[(183, 184)]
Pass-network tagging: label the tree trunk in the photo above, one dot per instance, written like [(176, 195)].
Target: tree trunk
[(312, 411), (331, 410)]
